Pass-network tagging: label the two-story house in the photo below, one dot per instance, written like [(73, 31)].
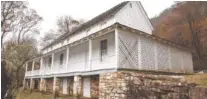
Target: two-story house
[(119, 39)]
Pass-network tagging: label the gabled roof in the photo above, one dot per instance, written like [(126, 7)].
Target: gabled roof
[(91, 22)]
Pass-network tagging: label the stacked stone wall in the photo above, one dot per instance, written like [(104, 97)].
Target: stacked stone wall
[(134, 85), (95, 87), (49, 84), (70, 86)]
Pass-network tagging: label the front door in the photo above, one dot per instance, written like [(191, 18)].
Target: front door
[(86, 87)]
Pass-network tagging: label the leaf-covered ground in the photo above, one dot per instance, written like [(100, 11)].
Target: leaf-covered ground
[(38, 95), (200, 79)]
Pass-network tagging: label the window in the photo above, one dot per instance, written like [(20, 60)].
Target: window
[(131, 5), (61, 59), (50, 61), (103, 45)]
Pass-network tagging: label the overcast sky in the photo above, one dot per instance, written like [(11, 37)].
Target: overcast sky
[(85, 9)]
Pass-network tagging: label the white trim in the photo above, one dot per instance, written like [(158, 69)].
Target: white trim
[(26, 67), (139, 53), (182, 64), (156, 61), (54, 83), (144, 13), (169, 58), (33, 63), (67, 56), (84, 73), (41, 64), (116, 47), (89, 53), (52, 63)]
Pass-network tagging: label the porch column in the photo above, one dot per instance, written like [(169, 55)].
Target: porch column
[(67, 56), (26, 67), (77, 86), (116, 45), (31, 83), (52, 63), (90, 53), (42, 84), (24, 82), (41, 63), (33, 63), (56, 85)]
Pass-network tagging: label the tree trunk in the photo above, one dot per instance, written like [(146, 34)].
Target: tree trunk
[(2, 37)]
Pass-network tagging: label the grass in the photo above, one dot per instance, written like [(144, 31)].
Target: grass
[(200, 79), (26, 94)]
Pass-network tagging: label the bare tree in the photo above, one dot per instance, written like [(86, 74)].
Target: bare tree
[(49, 37), (18, 19), (28, 23), (9, 13), (66, 24)]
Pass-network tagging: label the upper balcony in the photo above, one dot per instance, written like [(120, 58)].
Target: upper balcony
[(91, 55)]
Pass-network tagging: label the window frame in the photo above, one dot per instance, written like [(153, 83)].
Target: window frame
[(61, 59), (50, 61), (103, 48)]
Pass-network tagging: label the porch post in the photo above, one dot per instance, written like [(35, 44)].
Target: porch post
[(77, 85), (67, 56), (116, 45), (33, 63), (89, 53), (26, 66), (56, 85), (31, 84), (42, 84), (52, 63), (41, 62), (24, 82)]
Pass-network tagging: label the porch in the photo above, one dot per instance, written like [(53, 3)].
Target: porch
[(84, 57)]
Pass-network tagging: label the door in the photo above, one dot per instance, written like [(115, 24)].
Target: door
[(35, 84), (65, 86), (86, 87)]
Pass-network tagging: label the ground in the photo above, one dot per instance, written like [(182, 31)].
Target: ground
[(200, 79), (26, 94)]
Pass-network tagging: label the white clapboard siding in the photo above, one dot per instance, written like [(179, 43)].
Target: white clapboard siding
[(139, 52), (133, 15)]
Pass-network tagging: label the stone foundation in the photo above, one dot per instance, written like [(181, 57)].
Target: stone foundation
[(70, 86), (112, 86), (49, 84), (77, 88), (94, 87), (134, 85)]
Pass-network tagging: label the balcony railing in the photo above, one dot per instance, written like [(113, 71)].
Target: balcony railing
[(78, 66)]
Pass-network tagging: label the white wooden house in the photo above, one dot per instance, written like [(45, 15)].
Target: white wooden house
[(118, 39)]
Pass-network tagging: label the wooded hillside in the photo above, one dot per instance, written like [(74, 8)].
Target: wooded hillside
[(185, 23)]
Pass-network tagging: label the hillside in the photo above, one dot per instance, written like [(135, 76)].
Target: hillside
[(185, 23)]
